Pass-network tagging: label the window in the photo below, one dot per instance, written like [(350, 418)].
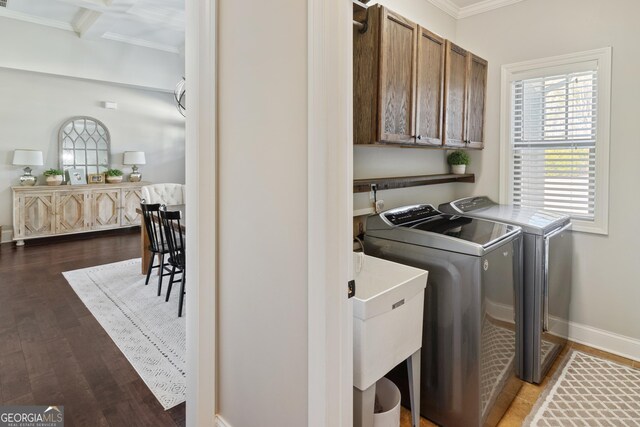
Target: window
[(555, 136)]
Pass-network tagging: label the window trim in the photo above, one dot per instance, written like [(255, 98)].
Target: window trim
[(527, 69)]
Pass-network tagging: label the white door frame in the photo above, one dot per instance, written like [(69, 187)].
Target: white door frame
[(330, 207), (201, 189)]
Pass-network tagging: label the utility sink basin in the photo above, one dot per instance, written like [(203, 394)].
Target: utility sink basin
[(387, 310)]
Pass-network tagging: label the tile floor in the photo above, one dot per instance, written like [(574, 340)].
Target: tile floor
[(529, 393)]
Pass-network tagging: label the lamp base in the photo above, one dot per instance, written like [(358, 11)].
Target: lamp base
[(28, 179), (135, 177)]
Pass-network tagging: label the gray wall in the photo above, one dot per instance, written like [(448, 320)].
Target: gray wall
[(606, 289)]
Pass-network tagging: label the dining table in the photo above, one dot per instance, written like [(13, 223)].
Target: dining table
[(145, 253)]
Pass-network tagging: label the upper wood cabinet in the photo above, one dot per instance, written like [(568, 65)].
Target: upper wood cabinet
[(455, 95), (414, 88), (464, 98), (429, 87), (397, 78), (476, 101)]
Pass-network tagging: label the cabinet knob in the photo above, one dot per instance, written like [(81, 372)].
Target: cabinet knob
[(419, 137)]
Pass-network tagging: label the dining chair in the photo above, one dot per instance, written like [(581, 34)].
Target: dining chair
[(157, 242), (166, 193), (171, 222)]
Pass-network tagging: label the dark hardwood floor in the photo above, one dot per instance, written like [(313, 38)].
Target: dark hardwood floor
[(54, 352)]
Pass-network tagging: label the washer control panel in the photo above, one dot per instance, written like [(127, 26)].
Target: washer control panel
[(472, 203), (410, 214)]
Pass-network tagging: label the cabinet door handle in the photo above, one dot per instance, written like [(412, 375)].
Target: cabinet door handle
[(419, 137)]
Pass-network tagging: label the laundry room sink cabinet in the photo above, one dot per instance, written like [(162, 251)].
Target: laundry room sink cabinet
[(387, 326)]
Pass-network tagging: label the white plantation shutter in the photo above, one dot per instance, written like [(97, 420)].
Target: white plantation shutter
[(553, 142)]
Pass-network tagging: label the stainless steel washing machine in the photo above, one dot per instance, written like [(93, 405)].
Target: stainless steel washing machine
[(471, 320), (547, 255)]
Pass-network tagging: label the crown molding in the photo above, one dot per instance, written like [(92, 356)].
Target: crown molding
[(457, 12), (484, 6), (140, 42), (446, 6), (12, 14)]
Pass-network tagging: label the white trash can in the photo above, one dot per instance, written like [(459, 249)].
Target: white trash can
[(388, 398)]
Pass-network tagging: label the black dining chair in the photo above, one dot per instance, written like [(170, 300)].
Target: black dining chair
[(157, 242), (171, 223)]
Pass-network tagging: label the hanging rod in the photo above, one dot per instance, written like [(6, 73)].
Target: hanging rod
[(359, 25)]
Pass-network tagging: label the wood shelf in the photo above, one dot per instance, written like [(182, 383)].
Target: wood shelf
[(364, 185)]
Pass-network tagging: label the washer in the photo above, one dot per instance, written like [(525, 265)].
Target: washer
[(547, 250), (470, 323)]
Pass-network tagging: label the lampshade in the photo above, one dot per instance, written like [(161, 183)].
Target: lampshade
[(134, 158), (27, 158)]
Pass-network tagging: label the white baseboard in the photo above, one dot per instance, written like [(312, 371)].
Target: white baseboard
[(500, 311), (7, 235), (604, 340), (221, 422)]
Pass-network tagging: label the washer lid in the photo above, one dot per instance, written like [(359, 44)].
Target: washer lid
[(423, 225), (532, 221)]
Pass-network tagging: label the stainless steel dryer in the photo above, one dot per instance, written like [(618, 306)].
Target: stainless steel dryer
[(547, 254), (470, 325)]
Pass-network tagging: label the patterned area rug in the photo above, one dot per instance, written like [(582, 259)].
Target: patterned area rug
[(145, 327), (589, 391)]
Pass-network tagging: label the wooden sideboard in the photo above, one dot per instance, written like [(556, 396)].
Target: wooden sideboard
[(43, 211)]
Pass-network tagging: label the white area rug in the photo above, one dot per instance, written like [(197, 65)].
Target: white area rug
[(145, 327), (589, 391)]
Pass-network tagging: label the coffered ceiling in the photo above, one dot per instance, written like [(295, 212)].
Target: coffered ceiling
[(155, 24)]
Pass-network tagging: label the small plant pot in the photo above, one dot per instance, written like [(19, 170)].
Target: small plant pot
[(54, 180), (458, 169), (114, 179)]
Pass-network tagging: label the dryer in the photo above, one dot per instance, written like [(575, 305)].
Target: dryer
[(547, 255), (471, 315)]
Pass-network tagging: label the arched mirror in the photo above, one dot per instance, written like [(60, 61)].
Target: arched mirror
[(84, 144)]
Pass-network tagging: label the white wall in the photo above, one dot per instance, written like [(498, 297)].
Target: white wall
[(262, 188), (35, 105), (606, 288), (376, 162)]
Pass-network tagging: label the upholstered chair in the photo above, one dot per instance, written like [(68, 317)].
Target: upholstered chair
[(165, 194)]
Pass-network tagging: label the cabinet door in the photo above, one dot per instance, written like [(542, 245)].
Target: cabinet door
[(106, 209), (130, 202), (477, 87), (35, 215), (429, 87), (72, 212), (455, 98), (366, 69), (397, 78)]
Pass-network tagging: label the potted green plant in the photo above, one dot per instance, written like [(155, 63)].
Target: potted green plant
[(114, 176), (458, 160), (53, 176)]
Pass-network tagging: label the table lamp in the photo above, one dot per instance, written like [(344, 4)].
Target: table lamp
[(134, 158), (27, 158)]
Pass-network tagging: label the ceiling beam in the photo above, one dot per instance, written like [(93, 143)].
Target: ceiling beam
[(84, 20), (12, 14)]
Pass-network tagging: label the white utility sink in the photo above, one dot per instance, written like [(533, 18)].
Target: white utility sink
[(387, 310)]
